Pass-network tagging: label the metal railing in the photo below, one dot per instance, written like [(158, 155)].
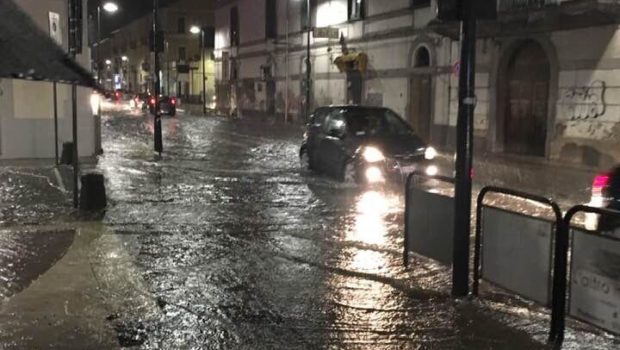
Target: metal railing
[(563, 245), (408, 183), (478, 233)]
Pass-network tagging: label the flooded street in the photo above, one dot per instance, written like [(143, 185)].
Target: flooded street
[(241, 250), (223, 243)]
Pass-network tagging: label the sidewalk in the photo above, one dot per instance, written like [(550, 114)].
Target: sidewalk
[(564, 183), (90, 298)]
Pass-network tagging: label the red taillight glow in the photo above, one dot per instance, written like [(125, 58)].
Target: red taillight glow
[(152, 101), (173, 101), (600, 181)]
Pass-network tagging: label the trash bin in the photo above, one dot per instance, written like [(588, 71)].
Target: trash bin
[(92, 193), (67, 153)]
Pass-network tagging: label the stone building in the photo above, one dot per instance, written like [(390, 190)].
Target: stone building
[(128, 63), (546, 85), (27, 106)]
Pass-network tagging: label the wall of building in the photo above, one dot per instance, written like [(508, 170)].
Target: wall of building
[(386, 36), (582, 121), (26, 112)]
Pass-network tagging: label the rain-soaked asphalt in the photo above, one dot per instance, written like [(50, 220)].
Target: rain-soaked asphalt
[(222, 243), (242, 251)]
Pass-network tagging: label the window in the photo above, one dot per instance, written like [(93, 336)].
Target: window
[(271, 19), (420, 3), (234, 26), (356, 9), (181, 25), (182, 54)]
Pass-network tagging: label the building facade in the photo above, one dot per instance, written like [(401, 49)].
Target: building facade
[(127, 61), (26, 107), (545, 80)]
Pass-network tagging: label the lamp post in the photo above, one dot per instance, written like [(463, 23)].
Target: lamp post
[(200, 30), (308, 64), (111, 8)]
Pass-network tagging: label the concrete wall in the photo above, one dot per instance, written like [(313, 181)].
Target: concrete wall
[(26, 107)]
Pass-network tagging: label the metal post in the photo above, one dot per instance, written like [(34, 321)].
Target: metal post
[(98, 40), (464, 152), (204, 73), (73, 32), (286, 79), (55, 95), (159, 148), (308, 64)]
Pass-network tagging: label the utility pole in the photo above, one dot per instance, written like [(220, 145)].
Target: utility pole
[(204, 73), (308, 64), (74, 43), (464, 151), (159, 148)]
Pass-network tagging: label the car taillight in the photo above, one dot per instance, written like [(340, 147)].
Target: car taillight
[(152, 101), (600, 182), (173, 101)]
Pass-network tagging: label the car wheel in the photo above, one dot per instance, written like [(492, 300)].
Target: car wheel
[(304, 160), (348, 173)]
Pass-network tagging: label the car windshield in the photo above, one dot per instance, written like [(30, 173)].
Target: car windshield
[(374, 122)]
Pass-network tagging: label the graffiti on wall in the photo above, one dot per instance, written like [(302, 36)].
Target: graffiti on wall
[(585, 102)]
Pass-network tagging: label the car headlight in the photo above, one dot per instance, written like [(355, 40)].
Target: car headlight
[(373, 155), (430, 153)]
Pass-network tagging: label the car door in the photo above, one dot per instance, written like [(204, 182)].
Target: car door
[(315, 130), (331, 147)]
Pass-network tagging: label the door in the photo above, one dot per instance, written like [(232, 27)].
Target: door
[(354, 87), (420, 106), (271, 97), (331, 145), (526, 107)]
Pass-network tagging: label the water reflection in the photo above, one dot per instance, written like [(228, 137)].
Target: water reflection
[(359, 299)]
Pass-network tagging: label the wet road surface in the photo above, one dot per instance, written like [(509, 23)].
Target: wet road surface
[(242, 251), (222, 243)]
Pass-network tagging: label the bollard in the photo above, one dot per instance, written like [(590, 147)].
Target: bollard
[(67, 153), (92, 193)]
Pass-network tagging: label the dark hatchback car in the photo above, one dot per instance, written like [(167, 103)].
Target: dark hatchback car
[(365, 145), (167, 105)]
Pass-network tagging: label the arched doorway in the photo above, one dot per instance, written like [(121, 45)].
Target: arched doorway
[(526, 100), (420, 94)]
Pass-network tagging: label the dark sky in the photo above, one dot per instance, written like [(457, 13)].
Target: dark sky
[(128, 11)]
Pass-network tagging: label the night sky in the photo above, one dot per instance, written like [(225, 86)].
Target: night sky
[(128, 11)]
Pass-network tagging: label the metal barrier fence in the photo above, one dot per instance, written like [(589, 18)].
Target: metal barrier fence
[(513, 250), (429, 209), (523, 265), (594, 276)]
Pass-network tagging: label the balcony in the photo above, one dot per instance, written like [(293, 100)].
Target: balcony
[(520, 5), (519, 17)]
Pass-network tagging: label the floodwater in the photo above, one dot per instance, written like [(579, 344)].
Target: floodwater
[(235, 248)]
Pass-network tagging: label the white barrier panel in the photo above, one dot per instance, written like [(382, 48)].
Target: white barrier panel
[(516, 253), (431, 225), (595, 280)]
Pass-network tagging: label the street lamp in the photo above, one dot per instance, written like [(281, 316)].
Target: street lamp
[(110, 8), (308, 28), (200, 30)]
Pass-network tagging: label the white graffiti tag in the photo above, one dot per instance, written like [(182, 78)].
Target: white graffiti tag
[(586, 102)]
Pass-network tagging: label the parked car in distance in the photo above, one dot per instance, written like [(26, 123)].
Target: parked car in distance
[(365, 145), (139, 101), (605, 194), (167, 105)]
